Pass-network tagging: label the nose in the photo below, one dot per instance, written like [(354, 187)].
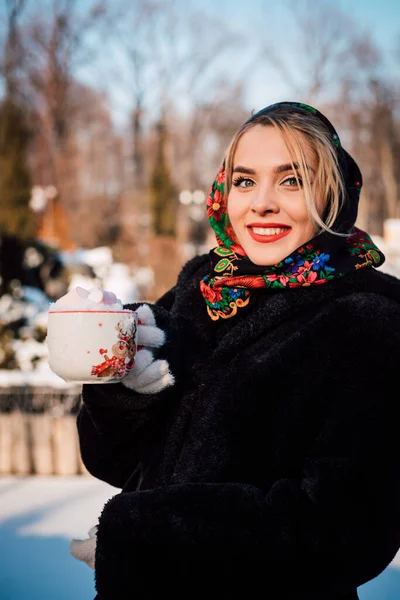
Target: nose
[(265, 202)]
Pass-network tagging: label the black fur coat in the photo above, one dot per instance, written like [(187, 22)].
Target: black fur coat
[(271, 464)]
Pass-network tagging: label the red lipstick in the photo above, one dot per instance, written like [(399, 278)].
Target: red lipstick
[(266, 239)]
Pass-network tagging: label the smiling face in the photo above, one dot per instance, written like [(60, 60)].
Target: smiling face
[(266, 206)]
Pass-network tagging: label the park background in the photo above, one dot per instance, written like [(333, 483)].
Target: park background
[(114, 117)]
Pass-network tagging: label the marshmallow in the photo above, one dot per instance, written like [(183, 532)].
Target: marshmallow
[(100, 296), (96, 296), (81, 292), (81, 299)]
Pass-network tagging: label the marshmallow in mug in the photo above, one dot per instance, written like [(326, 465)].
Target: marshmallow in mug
[(80, 299)]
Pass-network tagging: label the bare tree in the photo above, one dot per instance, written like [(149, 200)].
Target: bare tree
[(57, 45), (381, 156), (324, 49), (12, 49), (172, 64), (176, 59)]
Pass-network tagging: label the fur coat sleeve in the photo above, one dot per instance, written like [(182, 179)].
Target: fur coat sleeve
[(115, 419), (114, 422)]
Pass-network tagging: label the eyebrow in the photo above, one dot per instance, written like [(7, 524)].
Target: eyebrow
[(278, 169)]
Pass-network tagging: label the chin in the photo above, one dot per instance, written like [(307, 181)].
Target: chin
[(263, 259), (266, 263), (267, 254)]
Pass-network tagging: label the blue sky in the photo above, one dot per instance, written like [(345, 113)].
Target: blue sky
[(382, 17)]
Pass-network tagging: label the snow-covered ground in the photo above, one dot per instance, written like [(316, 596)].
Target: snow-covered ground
[(38, 518), (40, 515)]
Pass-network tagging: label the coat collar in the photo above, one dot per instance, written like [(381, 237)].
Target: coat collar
[(268, 309)]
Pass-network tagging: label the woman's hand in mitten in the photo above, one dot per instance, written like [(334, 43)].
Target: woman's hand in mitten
[(148, 376), (149, 335), (85, 550)]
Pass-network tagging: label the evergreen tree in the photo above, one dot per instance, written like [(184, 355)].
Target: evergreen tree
[(16, 217), (163, 200)]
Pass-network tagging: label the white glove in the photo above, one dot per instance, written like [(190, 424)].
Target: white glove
[(148, 376), (85, 550)]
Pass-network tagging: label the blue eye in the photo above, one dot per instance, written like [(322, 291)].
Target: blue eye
[(292, 182), (243, 180)]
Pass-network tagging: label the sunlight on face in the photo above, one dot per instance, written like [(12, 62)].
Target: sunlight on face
[(266, 207)]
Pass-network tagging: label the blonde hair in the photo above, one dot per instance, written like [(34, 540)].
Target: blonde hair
[(298, 130)]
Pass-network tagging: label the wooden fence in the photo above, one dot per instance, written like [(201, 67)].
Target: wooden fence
[(38, 432)]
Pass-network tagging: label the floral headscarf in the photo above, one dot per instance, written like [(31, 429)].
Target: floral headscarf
[(326, 256)]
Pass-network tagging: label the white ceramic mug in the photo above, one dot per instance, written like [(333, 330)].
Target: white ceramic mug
[(91, 346)]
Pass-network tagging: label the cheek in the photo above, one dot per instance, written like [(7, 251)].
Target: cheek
[(296, 209), (305, 226), (302, 216), (234, 208)]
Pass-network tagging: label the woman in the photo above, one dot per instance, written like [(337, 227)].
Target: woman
[(258, 446)]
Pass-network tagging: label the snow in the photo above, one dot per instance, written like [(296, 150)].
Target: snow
[(119, 280), (100, 259), (43, 376), (38, 518), (72, 504), (83, 281), (40, 321), (109, 275), (26, 350)]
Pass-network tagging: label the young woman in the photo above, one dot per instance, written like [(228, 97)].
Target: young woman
[(256, 439)]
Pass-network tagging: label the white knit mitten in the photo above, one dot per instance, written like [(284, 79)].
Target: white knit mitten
[(85, 550), (148, 376)]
